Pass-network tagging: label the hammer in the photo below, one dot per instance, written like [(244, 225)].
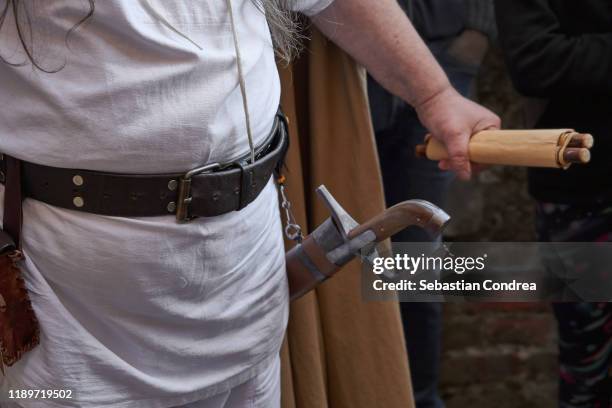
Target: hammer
[(339, 239)]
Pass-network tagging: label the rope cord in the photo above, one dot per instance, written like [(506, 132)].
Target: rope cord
[(241, 80)]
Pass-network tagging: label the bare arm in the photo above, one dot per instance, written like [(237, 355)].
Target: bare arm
[(379, 35)]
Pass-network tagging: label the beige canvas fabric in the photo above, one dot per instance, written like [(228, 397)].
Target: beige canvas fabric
[(340, 352)]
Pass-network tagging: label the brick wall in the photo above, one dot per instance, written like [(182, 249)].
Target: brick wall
[(500, 355)]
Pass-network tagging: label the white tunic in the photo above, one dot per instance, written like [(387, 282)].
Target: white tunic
[(145, 312)]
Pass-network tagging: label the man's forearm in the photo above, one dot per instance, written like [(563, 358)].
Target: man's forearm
[(379, 35)]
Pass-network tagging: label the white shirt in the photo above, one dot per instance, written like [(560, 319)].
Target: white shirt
[(145, 312)]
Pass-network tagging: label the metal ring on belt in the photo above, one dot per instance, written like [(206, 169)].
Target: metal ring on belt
[(207, 191)]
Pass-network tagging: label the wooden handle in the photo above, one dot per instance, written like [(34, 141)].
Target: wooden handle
[(394, 220), (530, 148), (421, 151)]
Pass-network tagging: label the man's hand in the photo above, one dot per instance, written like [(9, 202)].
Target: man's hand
[(379, 35), (453, 119)]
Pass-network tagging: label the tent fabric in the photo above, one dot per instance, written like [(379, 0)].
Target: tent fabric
[(340, 351)]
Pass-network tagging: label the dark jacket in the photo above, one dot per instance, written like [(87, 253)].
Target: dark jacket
[(438, 22), (435, 20), (561, 50)]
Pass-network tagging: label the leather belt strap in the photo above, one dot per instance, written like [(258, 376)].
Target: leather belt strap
[(205, 192), (13, 214)]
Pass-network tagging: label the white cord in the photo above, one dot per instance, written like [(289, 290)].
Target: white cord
[(241, 80)]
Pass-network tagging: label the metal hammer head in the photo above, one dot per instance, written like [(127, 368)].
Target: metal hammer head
[(394, 219), (438, 220), (342, 219), (340, 238)]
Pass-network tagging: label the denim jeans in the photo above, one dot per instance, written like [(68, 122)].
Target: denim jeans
[(405, 178)]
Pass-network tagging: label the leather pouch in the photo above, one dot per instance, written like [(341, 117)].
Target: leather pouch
[(19, 331)]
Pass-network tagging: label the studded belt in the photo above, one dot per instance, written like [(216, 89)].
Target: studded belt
[(207, 191)]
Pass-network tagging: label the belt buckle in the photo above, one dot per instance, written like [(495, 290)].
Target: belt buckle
[(184, 192)]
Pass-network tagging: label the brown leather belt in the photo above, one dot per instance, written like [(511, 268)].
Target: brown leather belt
[(207, 191)]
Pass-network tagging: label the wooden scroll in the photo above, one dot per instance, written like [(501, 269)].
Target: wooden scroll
[(554, 148)]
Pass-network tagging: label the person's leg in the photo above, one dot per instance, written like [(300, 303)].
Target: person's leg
[(406, 178), (585, 329), (216, 401), (423, 331), (585, 352), (261, 391)]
